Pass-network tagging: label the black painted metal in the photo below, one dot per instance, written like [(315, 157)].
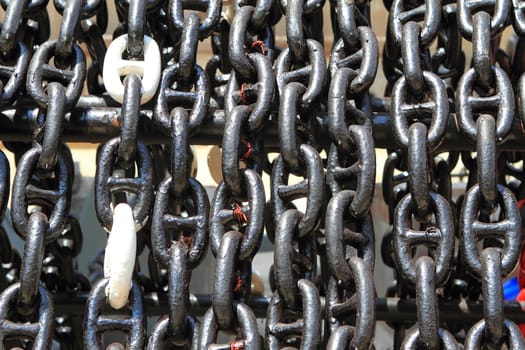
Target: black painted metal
[(449, 253)]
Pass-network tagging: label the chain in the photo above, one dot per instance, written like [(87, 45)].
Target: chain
[(349, 233), (298, 120), (495, 260)]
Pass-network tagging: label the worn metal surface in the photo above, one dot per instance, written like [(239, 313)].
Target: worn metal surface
[(450, 244)]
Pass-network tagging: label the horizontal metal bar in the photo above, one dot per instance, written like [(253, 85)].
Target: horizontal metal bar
[(387, 309), (97, 119)]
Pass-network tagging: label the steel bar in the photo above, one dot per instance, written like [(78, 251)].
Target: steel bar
[(96, 119), (388, 309)]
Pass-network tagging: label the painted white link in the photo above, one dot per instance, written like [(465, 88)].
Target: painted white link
[(116, 67), (119, 260)]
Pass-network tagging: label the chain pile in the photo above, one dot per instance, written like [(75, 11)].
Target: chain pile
[(145, 99)]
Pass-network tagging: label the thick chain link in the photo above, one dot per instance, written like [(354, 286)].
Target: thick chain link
[(452, 242)]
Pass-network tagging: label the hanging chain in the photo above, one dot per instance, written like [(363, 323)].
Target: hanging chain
[(297, 116)]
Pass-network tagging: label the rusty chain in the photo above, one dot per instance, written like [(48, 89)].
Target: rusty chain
[(298, 124)]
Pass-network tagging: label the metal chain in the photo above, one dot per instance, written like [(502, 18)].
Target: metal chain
[(289, 123)]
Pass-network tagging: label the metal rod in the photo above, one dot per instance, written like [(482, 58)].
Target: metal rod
[(97, 119), (387, 309)]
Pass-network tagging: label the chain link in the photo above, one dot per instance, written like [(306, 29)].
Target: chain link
[(452, 238)]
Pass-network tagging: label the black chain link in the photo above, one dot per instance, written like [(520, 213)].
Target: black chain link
[(453, 238)]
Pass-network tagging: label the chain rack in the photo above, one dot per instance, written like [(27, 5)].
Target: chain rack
[(454, 98)]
